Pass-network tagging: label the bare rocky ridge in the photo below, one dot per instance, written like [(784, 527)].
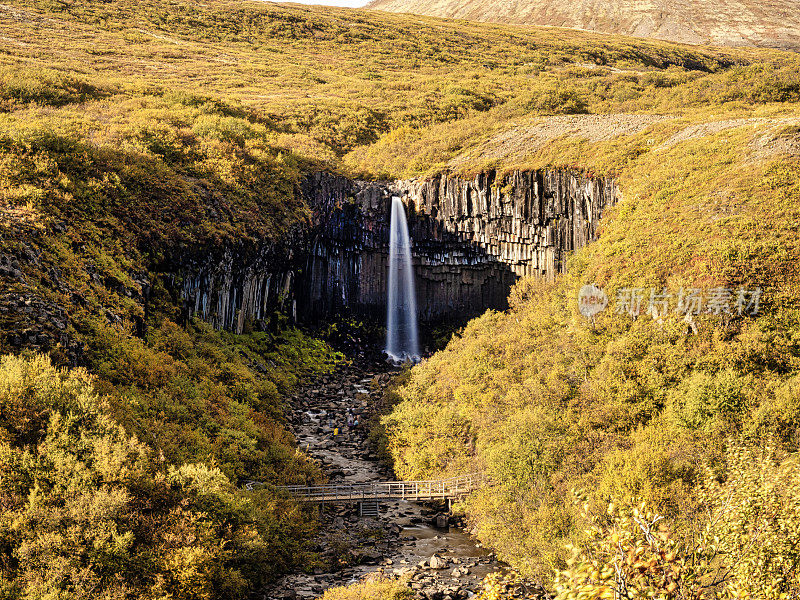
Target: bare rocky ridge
[(767, 23)]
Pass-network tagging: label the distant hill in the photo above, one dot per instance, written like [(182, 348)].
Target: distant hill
[(768, 23)]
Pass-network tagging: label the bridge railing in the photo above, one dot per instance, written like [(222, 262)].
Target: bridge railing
[(454, 487)]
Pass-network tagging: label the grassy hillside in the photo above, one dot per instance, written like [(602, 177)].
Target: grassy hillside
[(320, 83), (136, 133)]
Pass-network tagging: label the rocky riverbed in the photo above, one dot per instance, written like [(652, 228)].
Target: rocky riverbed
[(421, 543)]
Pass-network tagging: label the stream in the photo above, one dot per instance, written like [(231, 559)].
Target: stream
[(418, 541)]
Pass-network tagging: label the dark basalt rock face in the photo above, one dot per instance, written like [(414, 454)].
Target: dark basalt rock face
[(472, 239), (238, 287)]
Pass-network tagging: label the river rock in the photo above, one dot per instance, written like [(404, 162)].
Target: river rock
[(364, 544)]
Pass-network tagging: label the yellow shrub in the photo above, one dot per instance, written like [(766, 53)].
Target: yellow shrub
[(371, 589)]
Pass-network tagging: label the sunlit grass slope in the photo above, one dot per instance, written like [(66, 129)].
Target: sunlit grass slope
[(545, 401), (324, 81)]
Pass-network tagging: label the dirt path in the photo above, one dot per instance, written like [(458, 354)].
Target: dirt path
[(404, 540)]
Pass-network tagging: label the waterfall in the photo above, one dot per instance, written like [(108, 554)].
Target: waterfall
[(402, 343)]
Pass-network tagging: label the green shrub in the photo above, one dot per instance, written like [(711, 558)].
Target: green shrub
[(557, 99), (44, 87), (372, 589), (87, 513), (748, 546), (197, 394), (712, 401)]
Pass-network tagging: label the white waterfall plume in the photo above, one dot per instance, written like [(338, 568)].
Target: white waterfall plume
[(402, 339)]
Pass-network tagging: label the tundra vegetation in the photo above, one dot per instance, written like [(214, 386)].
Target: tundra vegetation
[(545, 401), (136, 132)]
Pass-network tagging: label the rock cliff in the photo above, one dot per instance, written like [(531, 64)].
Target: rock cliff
[(472, 238)]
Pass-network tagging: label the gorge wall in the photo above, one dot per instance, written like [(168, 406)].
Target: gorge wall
[(472, 238)]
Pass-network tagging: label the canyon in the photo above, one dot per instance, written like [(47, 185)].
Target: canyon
[(419, 543)]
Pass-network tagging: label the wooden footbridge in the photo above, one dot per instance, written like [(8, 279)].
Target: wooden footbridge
[(453, 488)]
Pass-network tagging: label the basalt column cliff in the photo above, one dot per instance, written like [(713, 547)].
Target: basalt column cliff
[(472, 238)]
